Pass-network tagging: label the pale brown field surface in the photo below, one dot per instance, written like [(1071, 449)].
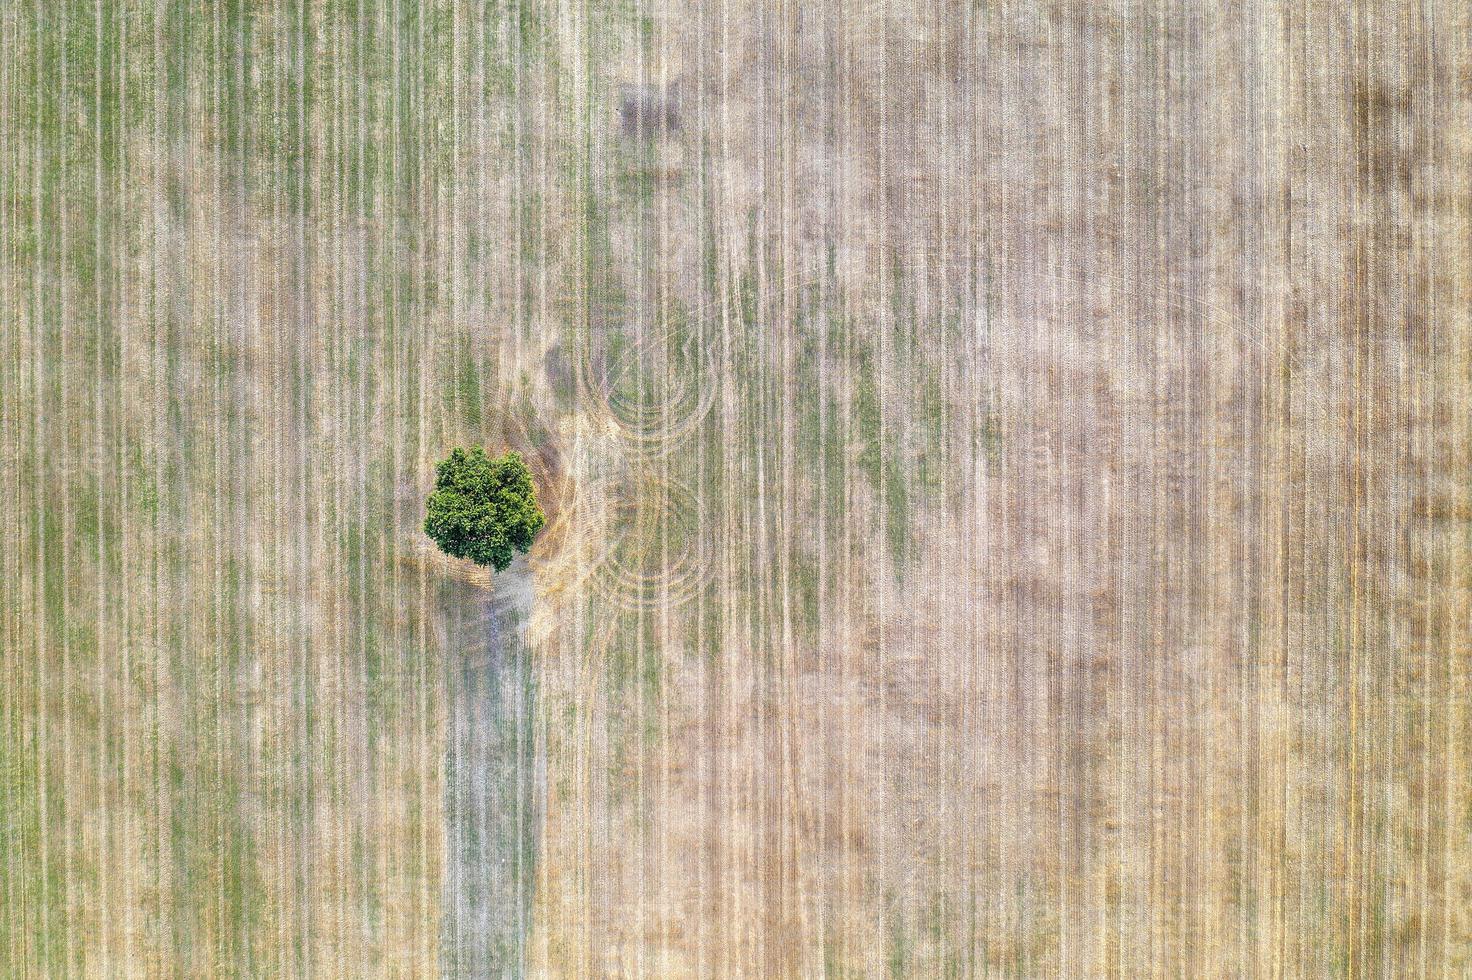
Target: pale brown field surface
[(1008, 468)]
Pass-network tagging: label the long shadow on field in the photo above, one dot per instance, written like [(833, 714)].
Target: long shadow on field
[(491, 812)]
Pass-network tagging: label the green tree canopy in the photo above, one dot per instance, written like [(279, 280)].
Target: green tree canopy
[(482, 508)]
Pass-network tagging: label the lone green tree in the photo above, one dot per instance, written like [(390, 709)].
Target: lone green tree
[(483, 508)]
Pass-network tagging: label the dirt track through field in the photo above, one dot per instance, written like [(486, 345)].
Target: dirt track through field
[(1008, 469)]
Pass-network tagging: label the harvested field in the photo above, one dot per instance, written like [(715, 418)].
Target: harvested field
[(1008, 470)]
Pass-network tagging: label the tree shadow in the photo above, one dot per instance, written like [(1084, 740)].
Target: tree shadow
[(492, 778)]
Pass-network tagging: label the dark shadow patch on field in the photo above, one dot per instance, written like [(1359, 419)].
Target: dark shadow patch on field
[(492, 779)]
